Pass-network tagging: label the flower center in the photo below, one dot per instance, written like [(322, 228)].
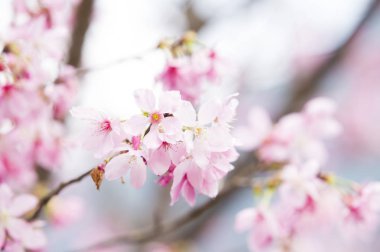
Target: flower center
[(106, 126), (155, 118)]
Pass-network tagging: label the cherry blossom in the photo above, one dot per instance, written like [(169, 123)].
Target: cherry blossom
[(362, 209), (264, 228), (295, 138), (12, 226), (103, 132), (300, 184), (190, 68)]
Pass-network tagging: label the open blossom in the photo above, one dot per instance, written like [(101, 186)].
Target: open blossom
[(191, 74), (297, 137), (265, 231), (103, 133), (12, 226), (193, 149), (362, 209), (209, 146), (132, 161), (156, 115), (300, 185)]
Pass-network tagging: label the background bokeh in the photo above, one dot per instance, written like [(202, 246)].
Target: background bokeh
[(268, 46)]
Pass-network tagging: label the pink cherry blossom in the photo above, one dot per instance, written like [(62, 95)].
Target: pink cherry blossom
[(63, 211), (300, 184), (363, 208), (11, 223), (264, 228), (191, 74), (156, 116), (103, 131), (295, 138), (130, 160)]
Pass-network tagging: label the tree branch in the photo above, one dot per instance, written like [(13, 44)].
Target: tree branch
[(45, 200), (83, 20)]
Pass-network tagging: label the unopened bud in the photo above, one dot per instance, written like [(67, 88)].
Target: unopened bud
[(97, 175)]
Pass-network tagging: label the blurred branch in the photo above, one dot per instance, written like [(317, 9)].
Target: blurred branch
[(150, 233), (305, 87), (83, 19), (45, 200), (194, 21)]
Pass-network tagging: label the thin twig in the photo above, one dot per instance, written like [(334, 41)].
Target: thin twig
[(55, 192)]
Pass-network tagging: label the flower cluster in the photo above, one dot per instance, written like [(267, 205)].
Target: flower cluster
[(295, 138), (192, 149), (36, 89), (307, 196), (190, 67), (16, 234)]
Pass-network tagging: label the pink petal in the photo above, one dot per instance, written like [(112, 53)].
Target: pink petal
[(33, 238), (208, 112), (151, 140), (159, 161), (320, 107), (210, 188), (245, 219), (138, 172), (5, 195), (17, 228), (176, 190), (170, 130), (117, 167), (145, 99), (136, 125), (169, 101), (219, 139), (22, 204), (188, 193), (186, 114), (194, 175)]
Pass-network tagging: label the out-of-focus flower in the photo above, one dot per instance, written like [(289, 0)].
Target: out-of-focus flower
[(300, 184), (63, 211), (264, 228), (297, 137), (12, 226)]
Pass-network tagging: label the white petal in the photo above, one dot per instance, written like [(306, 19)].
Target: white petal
[(22, 204), (117, 167), (145, 99)]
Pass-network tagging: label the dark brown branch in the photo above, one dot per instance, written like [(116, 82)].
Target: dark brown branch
[(45, 200), (83, 20)]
